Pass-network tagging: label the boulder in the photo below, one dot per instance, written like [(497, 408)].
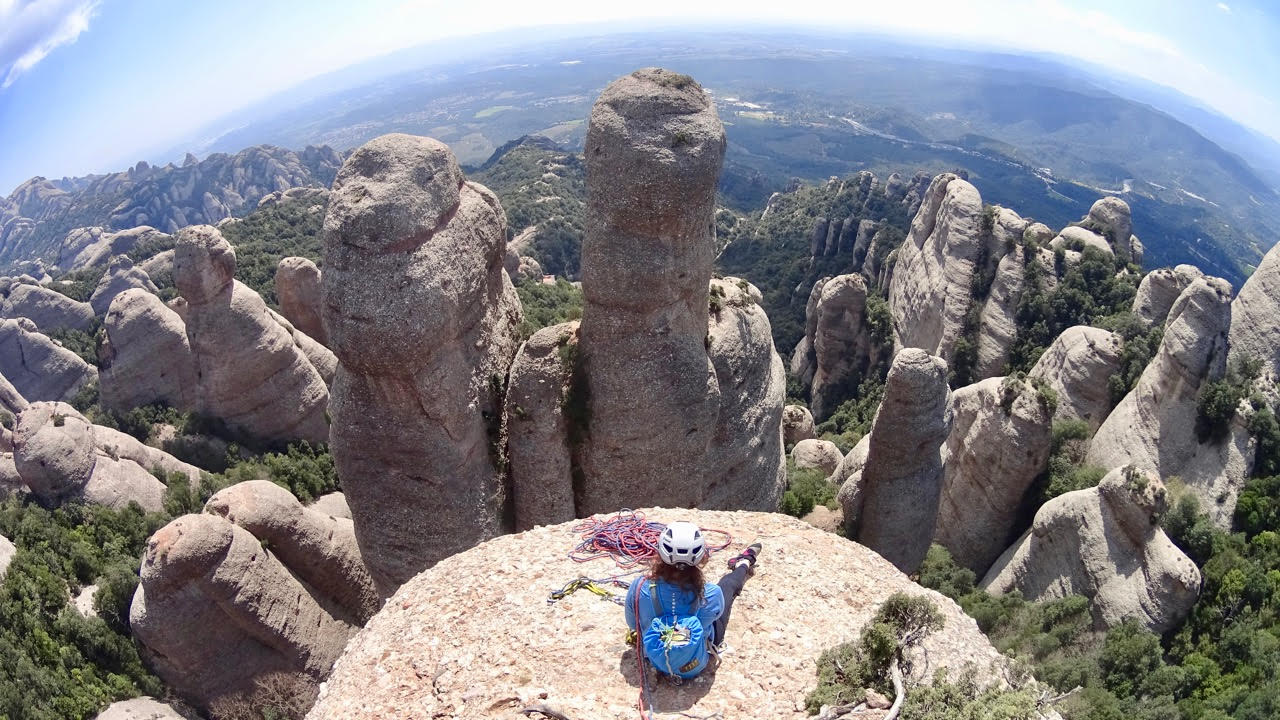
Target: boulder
[(39, 368), (797, 425), (299, 291), (999, 444), (89, 247), (1104, 543), (821, 454), (56, 454), (1255, 316), (539, 415), (320, 357), (841, 343), (655, 147), (7, 551), (930, 293), (1078, 239), (140, 708), (1158, 290), (159, 268), (484, 654), (334, 503), (424, 322), (1110, 216), (218, 608), (145, 356), (1077, 366), (11, 401), (901, 482), (121, 275), (48, 309), (249, 371), (1155, 426)]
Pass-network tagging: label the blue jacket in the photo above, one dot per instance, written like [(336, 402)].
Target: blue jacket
[(707, 613)]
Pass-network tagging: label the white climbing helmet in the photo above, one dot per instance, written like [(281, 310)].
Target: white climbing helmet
[(682, 544)]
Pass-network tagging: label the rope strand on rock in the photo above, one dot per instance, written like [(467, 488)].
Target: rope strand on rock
[(628, 538)]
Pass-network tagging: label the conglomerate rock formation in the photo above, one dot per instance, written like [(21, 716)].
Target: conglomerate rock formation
[(48, 309), (892, 505), (39, 368), (121, 275), (1255, 316), (255, 586), (654, 151), (249, 371), (1155, 426), (444, 646), (1104, 543), (998, 446), (1076, 367), (299, 291), (424, 322), (145, 356)]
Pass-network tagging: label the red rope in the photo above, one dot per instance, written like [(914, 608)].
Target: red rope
[(628, 538)]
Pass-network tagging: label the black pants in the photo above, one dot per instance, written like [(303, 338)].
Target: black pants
[(731, 584)]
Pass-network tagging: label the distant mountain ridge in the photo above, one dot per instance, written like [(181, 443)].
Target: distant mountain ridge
[(36, 217)]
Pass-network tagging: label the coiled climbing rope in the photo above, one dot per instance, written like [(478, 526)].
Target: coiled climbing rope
[(630, 539)]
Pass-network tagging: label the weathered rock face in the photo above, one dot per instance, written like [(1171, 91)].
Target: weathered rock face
[(11, 401), (999, 444), (39, 368), (249, 371), (1154, 426), (646, 268), (317, 547), (217, 608), (1158, 290), (87, 247), (142, 708), (797, 425), (1104, 543), (7, 551), (159, 268), (48, 309), (1255, 316), (1076, 366), (57, 454), (862, 242), (804, 361), (841, 342), (745, 463), (334, 503), (121, 275), (1110, 217), (320, 357), (901, 482), (998, 326), (1078, 239), (821, 454), (299, 290), (145, 356), (424, 322), (931, 291), (488, 651), (539, 448)]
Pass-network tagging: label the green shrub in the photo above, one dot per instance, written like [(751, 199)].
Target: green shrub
[(806, 488), (547, 305)]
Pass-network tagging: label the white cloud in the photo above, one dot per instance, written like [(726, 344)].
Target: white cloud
[(31, 29), (1224, 8)]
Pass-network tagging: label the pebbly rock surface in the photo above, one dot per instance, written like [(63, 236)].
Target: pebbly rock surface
[(999, 444), (121, 275), (1076, 366), (898, 490), (1159, 289), (1104, 543), (931, 288), (841, 342), (539, 449), (300, 293), (48, 309), (1154, 426), (820, 454), (424, 322), (39, 368), (444, 648), (646, 269), (1255, 316), (249, 372), (218, 608), (745, 463), (145, 356), (59, 457), (797, 425), (140, 708)]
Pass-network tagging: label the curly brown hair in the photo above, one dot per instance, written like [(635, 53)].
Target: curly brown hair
[(685, 577)]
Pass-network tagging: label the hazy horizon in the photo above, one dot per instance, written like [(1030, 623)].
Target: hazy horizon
[(117, 80)]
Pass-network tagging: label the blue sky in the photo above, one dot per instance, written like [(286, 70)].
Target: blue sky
[(94, 85)]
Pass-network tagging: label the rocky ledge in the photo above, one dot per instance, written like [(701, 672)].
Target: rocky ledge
[(475, 637)]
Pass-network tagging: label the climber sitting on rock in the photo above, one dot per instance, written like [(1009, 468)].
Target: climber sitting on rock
[(681, 617)]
